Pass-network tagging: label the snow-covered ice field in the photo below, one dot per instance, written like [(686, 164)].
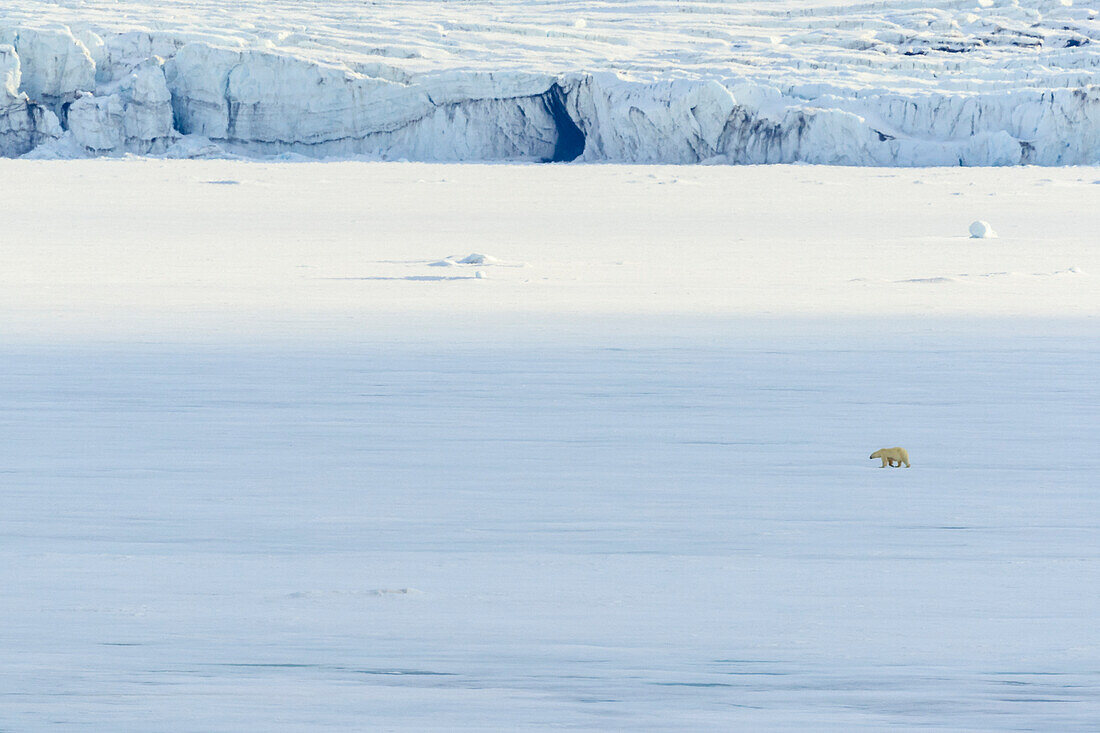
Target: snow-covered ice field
[(272, 459), (685, 537), (167, 248)]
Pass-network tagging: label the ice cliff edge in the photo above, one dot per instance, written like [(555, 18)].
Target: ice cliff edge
[(77, 95)]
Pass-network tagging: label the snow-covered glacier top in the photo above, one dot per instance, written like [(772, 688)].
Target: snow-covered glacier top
[(896, 82)]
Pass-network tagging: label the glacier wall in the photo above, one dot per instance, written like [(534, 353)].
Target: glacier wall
[(67, 95), (23, 124)]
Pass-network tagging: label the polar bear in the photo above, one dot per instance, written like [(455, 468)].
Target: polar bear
[(892, 457)]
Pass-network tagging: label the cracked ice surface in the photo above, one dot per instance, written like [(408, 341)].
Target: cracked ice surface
[(841, 44)]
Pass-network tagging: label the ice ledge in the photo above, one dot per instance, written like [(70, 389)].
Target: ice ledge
[(146, 93)]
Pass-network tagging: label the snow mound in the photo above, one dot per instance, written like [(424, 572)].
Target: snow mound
[(981, 230), (478, 259), (473, 258), (195, 147)]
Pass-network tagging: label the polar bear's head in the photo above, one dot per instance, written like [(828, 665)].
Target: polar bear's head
[(876, 454)]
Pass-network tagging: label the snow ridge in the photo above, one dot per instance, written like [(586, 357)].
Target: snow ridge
[(888, 83)]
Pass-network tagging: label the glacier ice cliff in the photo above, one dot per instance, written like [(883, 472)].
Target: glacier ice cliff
[(135, 117), (86, 92), (23, 124)]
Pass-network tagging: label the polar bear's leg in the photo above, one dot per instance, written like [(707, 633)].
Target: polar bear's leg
[(885, 461)]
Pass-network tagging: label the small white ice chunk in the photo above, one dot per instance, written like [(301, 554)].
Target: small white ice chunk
[(982, 230), (480, 275)]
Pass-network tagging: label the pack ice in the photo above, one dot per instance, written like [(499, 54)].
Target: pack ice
[(992, 82)]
